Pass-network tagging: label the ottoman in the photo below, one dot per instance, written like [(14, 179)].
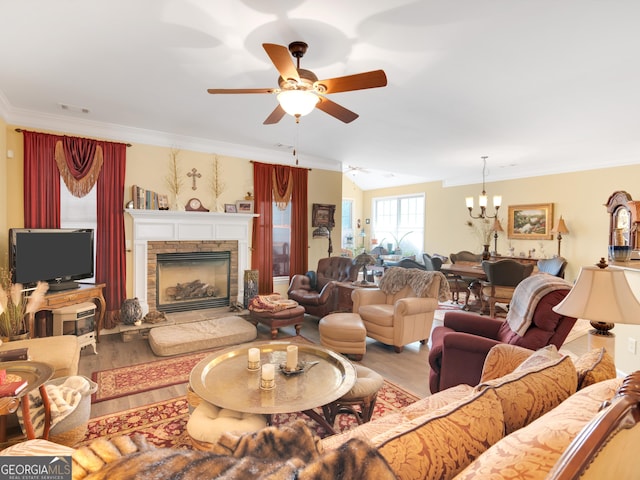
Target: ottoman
[(191, 337), (208, 422), (282, 318), (363, 394), (344, 333)]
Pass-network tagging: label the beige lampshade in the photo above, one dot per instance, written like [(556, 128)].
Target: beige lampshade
[(604, 295), (560, 226), (497, 226)]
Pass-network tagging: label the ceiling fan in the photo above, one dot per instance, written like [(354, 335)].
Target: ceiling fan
[(300, 91)]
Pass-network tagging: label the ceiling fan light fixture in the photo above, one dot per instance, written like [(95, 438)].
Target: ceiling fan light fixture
[(298, 103)]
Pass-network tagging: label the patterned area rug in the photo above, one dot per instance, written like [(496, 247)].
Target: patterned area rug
[(164, 423), (132, 379)]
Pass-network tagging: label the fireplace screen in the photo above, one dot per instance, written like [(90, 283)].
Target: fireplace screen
[(194, 280)]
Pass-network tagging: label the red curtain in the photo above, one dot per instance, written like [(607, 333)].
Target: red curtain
[(266, 180), (41, 181), (42, 202), (110, 244), (299, 223), (262, 238)]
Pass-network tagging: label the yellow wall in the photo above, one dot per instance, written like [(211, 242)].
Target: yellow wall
[(4, 199), (148, 167), (579, 197)]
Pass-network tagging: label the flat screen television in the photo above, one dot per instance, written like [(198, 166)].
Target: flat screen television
[(57, 256)]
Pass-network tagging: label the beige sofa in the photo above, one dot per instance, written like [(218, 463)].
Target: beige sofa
[(515, 424), (61, 352), (520, 418)]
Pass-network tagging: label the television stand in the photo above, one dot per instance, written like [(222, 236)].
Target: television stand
[(60, 286)]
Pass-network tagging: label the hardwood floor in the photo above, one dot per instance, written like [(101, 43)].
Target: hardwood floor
[(409, 369)]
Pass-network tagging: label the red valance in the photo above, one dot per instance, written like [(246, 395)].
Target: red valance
[(79, 161)]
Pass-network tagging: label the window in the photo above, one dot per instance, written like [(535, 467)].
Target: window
[(399, 220), (347, 224), (79, 213), (281, 240)]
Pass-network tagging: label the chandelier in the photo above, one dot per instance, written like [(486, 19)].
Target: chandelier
[(482, 198)]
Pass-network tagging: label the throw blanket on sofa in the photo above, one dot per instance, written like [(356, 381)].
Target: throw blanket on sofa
[(271, 303), (63, 400), (287, 453), (526, 297), (396, 278)]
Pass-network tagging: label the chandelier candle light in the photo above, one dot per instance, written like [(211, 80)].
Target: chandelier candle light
[(482, 199)]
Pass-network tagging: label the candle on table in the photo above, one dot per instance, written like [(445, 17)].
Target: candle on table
[(268, 372), (292, 357), (254, 354), (253, 358)]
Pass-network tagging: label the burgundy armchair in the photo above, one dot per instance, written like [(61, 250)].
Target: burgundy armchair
[(316, 291), (459, 348)]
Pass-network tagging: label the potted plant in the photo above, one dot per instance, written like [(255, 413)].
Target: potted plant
[(15, 307)]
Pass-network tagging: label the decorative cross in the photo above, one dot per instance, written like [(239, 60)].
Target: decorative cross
[(194, 174)]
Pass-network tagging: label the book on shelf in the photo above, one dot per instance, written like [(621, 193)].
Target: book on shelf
[(144, 199), (14, 354)]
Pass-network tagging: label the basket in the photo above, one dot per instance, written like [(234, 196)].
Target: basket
[(73, 428)]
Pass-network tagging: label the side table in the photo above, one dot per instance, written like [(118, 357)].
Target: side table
[(36, 374)]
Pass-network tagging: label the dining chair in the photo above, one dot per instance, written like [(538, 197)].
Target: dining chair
[(503, 277)]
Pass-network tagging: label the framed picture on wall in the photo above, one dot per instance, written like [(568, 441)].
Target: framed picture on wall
[(323, 215), (531, 222)]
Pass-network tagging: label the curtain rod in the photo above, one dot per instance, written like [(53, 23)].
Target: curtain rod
[(294, 166), (19, 130)]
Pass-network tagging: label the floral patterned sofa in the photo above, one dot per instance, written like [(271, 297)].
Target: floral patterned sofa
[(520, 418), (516, 423)]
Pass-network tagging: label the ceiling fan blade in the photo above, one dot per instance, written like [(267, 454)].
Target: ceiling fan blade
[(359, 81), (282, 60), (335, 110), (275, 116), (240, 90)]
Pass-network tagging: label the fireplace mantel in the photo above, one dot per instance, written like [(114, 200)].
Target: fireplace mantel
[(167, 225)]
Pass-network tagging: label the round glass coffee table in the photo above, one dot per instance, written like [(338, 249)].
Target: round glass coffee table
[(224, 380)]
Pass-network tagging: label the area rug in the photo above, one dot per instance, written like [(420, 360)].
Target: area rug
[(132, 379), (164, 423)]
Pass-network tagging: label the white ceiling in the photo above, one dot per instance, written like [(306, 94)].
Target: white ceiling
[(539, 86)]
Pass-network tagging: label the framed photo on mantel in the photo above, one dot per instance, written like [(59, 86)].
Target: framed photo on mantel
[(531, 222)]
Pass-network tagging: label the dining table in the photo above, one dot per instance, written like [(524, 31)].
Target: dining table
[(474, 273)]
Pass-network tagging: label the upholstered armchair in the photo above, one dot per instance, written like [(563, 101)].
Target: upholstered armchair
[(316, 291), (459, 348), (503, 277), (401, 310)]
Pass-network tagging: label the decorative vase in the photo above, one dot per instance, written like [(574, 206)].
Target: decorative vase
[(486, 255), (19, 336)]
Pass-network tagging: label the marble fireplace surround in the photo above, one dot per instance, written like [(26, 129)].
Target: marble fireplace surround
[(213, 229)]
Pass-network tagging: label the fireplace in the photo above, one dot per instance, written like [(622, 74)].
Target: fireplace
[(158, 231), (192, 280), (191, 275)]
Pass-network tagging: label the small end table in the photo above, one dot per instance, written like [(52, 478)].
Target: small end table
[(36, 374)]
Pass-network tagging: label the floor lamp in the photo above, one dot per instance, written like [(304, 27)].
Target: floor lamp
[(603, 295)]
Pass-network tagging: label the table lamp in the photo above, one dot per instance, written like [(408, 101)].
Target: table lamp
[(603, 295), (559, 229), (497, 227), (363, 260)]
